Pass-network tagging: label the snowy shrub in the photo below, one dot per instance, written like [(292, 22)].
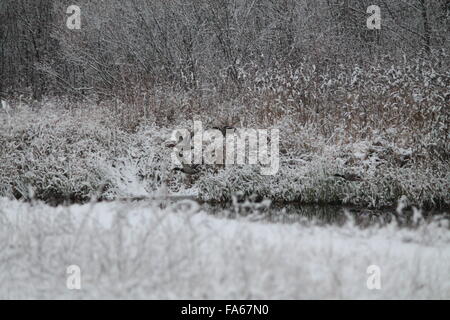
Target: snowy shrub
[(316, 181), (60, 155)]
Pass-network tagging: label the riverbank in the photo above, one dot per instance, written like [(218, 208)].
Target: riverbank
[(60, 154)]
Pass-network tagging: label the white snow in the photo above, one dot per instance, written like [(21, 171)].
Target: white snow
[(152, 250), (5, 106)]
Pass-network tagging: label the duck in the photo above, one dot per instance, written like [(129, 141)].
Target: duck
[(348, 176), (172, 143), (189, 169), (223, 129)]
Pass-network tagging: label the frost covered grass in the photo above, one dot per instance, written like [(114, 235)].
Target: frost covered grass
[(386, 124), (177, 251), (58, 154), (314, 182), (61, 154)]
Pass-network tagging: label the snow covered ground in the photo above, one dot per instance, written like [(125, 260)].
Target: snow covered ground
[(177, 251)]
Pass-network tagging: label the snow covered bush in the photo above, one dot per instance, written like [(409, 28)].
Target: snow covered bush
[(58, 155)]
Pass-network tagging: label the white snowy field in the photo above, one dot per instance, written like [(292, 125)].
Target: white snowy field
[(143, 250)]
